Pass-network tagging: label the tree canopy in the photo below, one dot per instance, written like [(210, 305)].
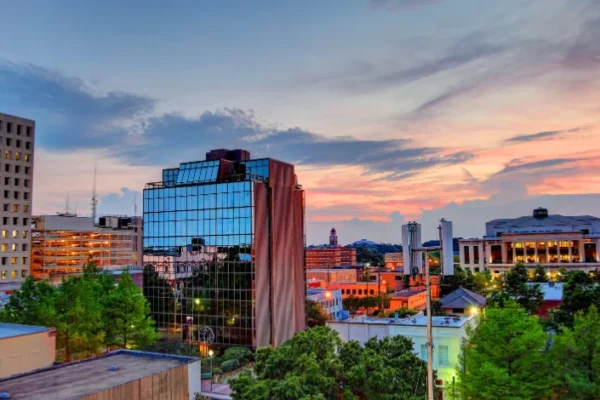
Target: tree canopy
[(315, 364), (315, 314), (515, 288), (89, 312), (505, 357)]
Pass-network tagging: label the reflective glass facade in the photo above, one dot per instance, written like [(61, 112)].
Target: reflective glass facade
[(204, 277)]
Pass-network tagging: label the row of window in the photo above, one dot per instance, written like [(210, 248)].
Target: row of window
[(18, 143), (13, 247), (13, 274), (360, 291), (8, 156), (17, 170), (13, 260), (14, 234), (442, 352), (10, 128), (15, 207), (16, 181), (15, 221), (16, 195)]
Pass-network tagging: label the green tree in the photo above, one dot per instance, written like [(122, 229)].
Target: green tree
[(315, 314), (579, 293), (352, 304), (436, 308), (563, 274), (315, 364), (576, 356), (462, 278), (127, 316), (31, 304), (539, 274), (504, 357), (515, 288)]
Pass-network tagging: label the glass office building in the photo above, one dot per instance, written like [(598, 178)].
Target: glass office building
[(224, 251)]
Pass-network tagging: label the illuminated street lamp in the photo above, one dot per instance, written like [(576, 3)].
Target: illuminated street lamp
[(210, 354)]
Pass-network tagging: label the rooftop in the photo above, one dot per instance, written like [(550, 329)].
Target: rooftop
[(463, 298), (89, 376), (12, 330), (553, 291), (407, 292), (416, 320)]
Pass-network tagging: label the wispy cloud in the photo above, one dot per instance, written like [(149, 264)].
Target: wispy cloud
[(545, 135)]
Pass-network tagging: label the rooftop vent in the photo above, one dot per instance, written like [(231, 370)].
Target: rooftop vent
[(540, 213), (414, 320), (113, 367)]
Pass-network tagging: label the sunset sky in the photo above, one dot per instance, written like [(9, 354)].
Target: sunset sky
[(392, 110)]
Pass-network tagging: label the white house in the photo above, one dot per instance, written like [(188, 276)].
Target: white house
[(448, 336)]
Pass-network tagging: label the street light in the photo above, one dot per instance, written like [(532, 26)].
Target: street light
[(210, 354)]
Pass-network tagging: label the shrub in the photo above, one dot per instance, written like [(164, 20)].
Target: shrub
[(242, 354), (230, 365)]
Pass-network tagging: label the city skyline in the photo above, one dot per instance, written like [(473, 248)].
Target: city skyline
[(391, 110)]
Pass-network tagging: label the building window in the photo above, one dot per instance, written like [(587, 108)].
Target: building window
[(424, 352), (353, 291), (23, 260), (27, 157), (443, 355), (6, 167), (19, 129), (3, 274), (25, 221), (13, 247), (27, 170), (476, 254), (13, 261), (3, 234), (26, 183), (458, 311), (24, 234), (28, 131), (25, 195), (23, 273), (23, 246), (8, 141), (25, 208), (16, 195), (6, 206), (4, 220), (466, 255), (17, 156), (17, 181), (6, 180), (14, 234), (9, 127), (4, 247), (359, 291), (15, 221), (371, 291), (28, 145), (18, 144), (13, 274), (15, 208)]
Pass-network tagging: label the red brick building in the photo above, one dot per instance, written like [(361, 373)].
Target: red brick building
[(330, 256)]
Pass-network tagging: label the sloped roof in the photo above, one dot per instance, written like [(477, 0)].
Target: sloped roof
[(463, 298)]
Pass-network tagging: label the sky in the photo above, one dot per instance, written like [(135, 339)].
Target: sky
[(391, 110)]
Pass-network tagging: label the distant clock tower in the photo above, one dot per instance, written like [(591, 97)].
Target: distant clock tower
[(333, 240)]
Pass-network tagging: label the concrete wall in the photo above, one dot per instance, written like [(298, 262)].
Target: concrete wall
[(24, 353)]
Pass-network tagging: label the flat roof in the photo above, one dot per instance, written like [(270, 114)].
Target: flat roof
[(552, 291), (78, 379), (12, 330), (416, 320)]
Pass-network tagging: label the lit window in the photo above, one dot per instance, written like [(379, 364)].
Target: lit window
[(15, 208), (17, 156), (3, 234), (13, 274), (13, 247), (24, 234), (23, 260), (4, 246), (27, 156), (23, 273), (14, 234), (443, 355), (25, 208), (3, 274), (13, 261), (7, 155)]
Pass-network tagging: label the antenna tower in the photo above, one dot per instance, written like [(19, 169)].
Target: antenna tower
[(135, 205), (94, 201)]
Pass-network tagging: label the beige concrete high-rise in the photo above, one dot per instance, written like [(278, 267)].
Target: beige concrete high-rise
[(17, 137)]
